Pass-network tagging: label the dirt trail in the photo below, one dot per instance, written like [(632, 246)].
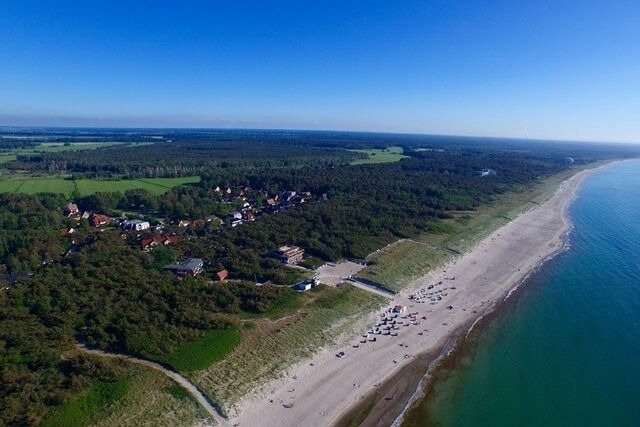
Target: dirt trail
[(200, 397)]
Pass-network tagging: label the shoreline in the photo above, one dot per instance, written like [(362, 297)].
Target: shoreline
[(367, 389), (449, 353), (440, 359)]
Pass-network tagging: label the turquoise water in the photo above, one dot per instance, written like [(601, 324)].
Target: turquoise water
[(566, 350)]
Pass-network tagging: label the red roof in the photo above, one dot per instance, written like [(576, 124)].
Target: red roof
[(98, 220), (158, 240), (221, 275), (170, 240)]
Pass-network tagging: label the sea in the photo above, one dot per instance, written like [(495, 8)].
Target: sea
[(564, 350)]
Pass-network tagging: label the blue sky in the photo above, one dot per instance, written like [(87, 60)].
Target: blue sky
[(539, 69)]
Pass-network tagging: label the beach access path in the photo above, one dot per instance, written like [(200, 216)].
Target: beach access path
[(319, 390)]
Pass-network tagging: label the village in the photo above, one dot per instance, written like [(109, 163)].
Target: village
[(246, 206)]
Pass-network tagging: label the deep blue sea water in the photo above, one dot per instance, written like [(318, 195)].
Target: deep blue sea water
[(566, 350)]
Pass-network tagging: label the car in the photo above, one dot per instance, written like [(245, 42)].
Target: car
[(340, 355)]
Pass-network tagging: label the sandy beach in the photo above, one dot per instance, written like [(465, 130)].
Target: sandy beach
[(321, 390)]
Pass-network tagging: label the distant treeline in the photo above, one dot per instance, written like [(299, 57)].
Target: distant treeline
[(183, 153), (180, 158)]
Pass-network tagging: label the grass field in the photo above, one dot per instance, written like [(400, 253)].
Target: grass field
[(386, 155), (6, 157), (400, 264), (57, 147), (269, 347), (85, 187), (211, 347)]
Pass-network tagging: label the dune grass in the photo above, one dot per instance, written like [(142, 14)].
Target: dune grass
[(211, 347), (152, 400), (269, 347)]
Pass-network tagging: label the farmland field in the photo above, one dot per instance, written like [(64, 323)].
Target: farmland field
[(57, 147), (46, 185), (6, 157), (386, 155), (86, 187)]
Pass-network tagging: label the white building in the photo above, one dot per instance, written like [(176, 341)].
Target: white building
[(135, 225)]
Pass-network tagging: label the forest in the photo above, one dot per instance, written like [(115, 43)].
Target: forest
[(97, 288)]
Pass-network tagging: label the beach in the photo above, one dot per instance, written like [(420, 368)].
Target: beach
[(435, 310)]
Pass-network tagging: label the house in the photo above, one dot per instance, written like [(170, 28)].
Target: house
[(85, 215), (289, 254), (288, 195), (67, 231), (221, 275), (135, 225), (305, 285), (98, 220), (270, 201), (250, 216), (188, 267), (148, 244), (151, 242), (487, 172), (71, 210), (184, 223), (302, 286), (235, 218)]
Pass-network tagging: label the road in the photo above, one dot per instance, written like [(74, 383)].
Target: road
[(200, 397), (372, 289)]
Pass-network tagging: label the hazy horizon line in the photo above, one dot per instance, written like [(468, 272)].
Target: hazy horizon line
[(3, 128)]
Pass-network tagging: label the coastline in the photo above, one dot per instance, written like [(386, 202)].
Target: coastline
[(376, 386)]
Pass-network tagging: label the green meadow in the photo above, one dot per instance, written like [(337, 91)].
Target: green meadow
[(85, 187), (385, 155), (78, 410)]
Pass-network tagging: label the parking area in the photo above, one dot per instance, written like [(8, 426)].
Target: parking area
[(332, 274)]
